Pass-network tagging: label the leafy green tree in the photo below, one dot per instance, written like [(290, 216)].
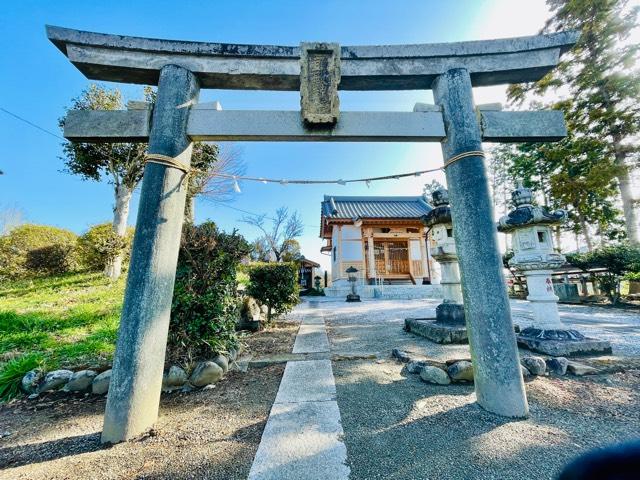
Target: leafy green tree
[(122, 164), (274, 285), (602, 82), (619, 260)]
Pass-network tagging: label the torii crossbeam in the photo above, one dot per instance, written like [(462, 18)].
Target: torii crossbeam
[(318, 70)]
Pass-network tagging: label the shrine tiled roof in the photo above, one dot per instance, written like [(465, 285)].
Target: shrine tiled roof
[(335, 207)]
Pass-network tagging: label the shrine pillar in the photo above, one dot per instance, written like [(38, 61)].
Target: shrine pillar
[(497, 374), (136, 381)]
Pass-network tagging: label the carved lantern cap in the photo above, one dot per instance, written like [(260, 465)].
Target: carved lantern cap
[(521, 195), (352, 269), (441, 212), (526, 214)]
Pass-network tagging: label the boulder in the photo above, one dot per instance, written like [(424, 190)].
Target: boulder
[(264, 310), (174, 378), (223, 362), (535, 365), (30, 381), (400, 355), (580, 369), (434, 375), (100, 384), (525, 372), (461, 371), (81, 381), (557, 365), (249, 315), (415, 366), (54, 380), (206, 373)]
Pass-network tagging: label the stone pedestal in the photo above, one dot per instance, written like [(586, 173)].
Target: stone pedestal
[(449, 325)]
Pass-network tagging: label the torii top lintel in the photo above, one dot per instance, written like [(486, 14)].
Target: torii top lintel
[(266, 67)]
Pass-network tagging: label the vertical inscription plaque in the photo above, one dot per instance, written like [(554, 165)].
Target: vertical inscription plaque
[(319, 79)]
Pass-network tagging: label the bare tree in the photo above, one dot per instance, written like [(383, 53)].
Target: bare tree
[(11, 216), (285, 227)]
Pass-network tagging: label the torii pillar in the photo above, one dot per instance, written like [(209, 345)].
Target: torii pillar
[(494, 353), (136, 380)]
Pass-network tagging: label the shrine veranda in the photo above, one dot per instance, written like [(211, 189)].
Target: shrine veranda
[(318, 70)]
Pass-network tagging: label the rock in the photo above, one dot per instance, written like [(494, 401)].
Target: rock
[(400, 355), (206, 373), (415, 366), (558, 365), (264, 310), (535, 365), (233, 355), (81, 381), (33, 396), (525, 372), (100, 384), (450, 362), (54, 380), (249, 315), (176, 377), (222, 362), (461, 371), (435, 375), (580, 369), (29, 383)]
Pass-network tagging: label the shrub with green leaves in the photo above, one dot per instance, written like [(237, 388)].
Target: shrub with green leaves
[(11, 374), (205, 301), (100, 245), (274, 285), (619, 260), (33, 250)]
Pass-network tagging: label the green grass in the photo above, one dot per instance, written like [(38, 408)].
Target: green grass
[(62, 322)]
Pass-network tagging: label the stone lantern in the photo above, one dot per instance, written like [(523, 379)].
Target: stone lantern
[(353, 296), (535, 258), (316, 280), (449, 325)]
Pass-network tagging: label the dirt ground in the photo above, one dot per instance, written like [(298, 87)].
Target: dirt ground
[(209, 434), (276, 339), (396, 425)]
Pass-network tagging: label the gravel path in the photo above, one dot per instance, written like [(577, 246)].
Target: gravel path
[(398, 427)]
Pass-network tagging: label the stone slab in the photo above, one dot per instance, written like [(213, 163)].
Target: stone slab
[(209, 124), (312, 320), (381, 67), (301, 441), (565, 348), (435, 332), (307, 381), (311, 338)]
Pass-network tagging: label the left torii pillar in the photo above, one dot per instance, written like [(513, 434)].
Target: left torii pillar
[(136, 381)]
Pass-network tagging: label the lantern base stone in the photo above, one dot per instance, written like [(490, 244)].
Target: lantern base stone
[(436, 332), (561, 342), (353, 298), (450, 314)]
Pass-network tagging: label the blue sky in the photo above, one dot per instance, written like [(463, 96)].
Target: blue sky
[(37, 82)]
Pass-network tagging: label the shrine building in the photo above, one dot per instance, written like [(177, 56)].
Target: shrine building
[(384, 238)]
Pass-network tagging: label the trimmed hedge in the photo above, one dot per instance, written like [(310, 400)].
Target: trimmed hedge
[(205, 300), (274, 285), (32, 250)]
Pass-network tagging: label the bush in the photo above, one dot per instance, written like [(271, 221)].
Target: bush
[(274, 285), (100, 245), (32, 250), (205, 302), (11, 374), (619, 260)]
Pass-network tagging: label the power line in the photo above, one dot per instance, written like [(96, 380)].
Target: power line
[(49, 132)]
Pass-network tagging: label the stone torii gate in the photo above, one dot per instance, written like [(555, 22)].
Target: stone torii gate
[(318, 70)]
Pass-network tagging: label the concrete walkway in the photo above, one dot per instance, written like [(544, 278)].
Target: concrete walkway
[(303, 435)]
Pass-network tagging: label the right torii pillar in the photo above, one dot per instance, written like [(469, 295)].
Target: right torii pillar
[(497, 374)]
